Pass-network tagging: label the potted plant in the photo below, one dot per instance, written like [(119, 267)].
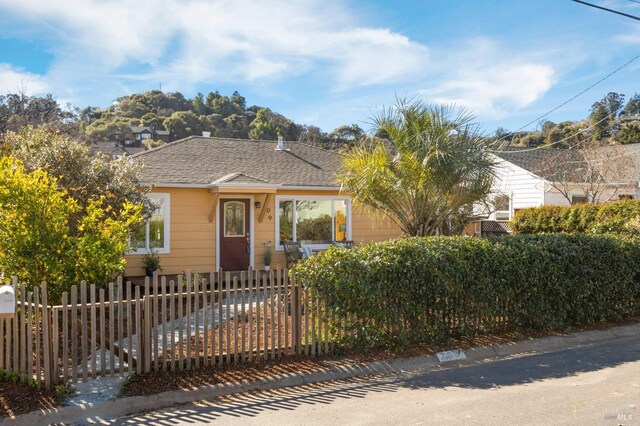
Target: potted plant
[(266, 256), (151, 263)]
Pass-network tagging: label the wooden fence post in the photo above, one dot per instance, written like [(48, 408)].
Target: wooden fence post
[(296, 323), (46, 338)]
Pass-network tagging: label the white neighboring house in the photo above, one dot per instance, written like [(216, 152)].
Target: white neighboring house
[(535, 177)]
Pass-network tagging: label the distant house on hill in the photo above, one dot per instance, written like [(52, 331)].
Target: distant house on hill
[(140, 133), (132, 142), (546, 176)]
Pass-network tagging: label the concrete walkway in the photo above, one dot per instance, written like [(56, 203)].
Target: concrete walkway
[(342, 370)]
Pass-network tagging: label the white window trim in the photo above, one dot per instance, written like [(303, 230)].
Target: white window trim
[(509, 210), (167, 225), (296, 198)]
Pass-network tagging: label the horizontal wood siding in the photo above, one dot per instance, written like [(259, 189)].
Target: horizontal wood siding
[(368, 226), (193, 237), (554, 197), (524, 187)]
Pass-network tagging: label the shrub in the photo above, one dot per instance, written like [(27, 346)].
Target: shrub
[(45, 235), (619, 217), (428, 290)]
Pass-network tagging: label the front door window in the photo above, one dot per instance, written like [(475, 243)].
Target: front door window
[(234, 219)]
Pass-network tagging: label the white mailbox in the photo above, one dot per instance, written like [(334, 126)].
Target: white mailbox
[(7, 302)]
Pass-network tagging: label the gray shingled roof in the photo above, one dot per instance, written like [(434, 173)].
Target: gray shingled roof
[(201, 160), (618, 162)]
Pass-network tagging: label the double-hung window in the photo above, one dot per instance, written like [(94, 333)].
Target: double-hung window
[(153, 235), (502, 209), (314, 221)]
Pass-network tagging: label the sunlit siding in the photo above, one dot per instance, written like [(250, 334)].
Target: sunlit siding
[(524, 188), (192, 236)]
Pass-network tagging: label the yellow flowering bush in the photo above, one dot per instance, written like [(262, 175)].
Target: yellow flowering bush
[(46, 235)]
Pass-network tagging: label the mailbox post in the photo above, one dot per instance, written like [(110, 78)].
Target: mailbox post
[(7, 302)]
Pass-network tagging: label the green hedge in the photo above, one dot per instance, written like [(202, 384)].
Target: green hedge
[(619, 217), (428, 290)]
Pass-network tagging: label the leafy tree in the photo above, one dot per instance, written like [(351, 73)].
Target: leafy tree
[(84, 177), (151, 143), (90, 114), (613, 103), (163, 104), (236, 126), (435, 168), (38, 242), (239, 100), (211, 98), (182, 124), (151, 119), (215, 124), (346, 135), (629, 133), (18, 110), (198, 106), (599, 119), (546, 127), (106, 129), (313, 135), (531, 140), (268, 125), (500, 133), (633, 106), (563, 135), (131, 108), (225, 107)]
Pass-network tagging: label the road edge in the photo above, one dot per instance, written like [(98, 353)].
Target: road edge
[(131, 405)]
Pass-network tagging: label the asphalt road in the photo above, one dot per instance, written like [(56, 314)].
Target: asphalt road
[(598, 384)]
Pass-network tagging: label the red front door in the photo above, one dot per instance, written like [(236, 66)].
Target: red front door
[(235, 234)]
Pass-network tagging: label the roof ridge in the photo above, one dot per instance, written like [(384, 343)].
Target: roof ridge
[(179, 141)]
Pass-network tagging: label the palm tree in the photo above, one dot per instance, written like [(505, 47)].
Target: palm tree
[(428, 174)]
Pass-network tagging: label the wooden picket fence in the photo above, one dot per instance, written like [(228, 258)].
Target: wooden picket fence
[(188, 323)]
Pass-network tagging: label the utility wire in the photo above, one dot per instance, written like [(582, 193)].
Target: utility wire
[(609, 10), (588, 88), (571, 99), (612, 115)]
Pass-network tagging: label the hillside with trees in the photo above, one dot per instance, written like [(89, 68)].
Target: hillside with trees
[(222, 116), (611, 120)]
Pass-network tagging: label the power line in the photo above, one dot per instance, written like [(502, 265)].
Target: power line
[(608, 10), (571, 99), (613, 114), (634, 1)]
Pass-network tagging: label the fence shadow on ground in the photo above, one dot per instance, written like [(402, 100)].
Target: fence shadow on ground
[(487, 374), (252, 404), (530, 369)]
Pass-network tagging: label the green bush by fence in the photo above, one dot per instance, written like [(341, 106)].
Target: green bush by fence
[(427, 290), (618, 217)]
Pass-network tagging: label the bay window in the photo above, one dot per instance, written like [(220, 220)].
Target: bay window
[(314, 221)]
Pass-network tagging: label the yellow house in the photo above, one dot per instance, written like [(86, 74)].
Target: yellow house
[(221, 202)]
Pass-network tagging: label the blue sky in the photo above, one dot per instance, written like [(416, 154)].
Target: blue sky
[(326, 62)]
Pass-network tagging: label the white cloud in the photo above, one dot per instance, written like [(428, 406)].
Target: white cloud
[(489, 80), (14, 80), (193, 41)]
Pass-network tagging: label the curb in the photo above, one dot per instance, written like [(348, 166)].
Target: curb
[(131, 405)]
